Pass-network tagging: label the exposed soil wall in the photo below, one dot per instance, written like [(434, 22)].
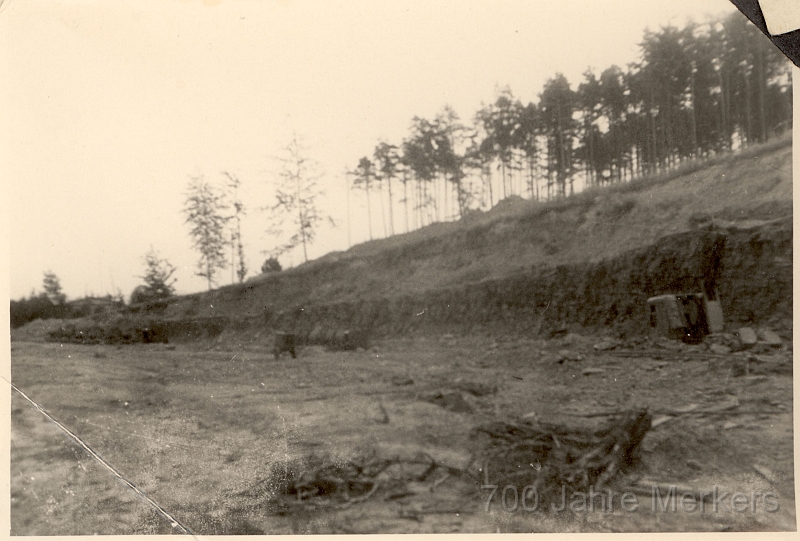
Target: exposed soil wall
[(750, 269), (131, 328), (756, 281)]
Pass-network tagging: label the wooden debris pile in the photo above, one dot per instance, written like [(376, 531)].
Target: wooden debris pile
[(335, 482), (549, 457), (325, 482)]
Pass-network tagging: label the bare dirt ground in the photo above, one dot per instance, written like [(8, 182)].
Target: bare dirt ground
[(202, 429)]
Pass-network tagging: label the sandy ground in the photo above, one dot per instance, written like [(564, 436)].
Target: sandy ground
[(201, 430)]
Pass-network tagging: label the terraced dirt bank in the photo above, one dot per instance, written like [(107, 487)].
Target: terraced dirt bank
[(750, 265)]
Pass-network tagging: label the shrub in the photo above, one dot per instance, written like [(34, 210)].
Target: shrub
[(270, 265), (26, 310), (615, 209)]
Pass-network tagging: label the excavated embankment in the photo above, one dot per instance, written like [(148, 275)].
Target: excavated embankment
[(749, 267)]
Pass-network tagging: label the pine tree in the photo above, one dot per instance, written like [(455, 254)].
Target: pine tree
[(158, 276)]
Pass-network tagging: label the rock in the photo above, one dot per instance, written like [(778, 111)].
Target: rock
[(695, 465), (747, 336), (660, 420), (687, 408), (567, 355), (765, 472), (575, 341), (590, 371), (732, 402), (714, 338), (728, 425), (725, 339), (672, 345), (646, 486), (771, 338), (605, 345), (719, 349), (402, 380), (776, 361)]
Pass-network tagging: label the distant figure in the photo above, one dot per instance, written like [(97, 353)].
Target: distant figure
[(284, 342)]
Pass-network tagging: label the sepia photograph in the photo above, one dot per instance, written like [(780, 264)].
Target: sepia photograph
[(407, 267)]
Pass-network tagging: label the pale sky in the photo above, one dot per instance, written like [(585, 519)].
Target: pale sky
[(109, 107)]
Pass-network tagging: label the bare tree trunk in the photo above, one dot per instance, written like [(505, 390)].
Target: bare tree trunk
[(693, 117), (491, 195), (445, 198), (503, 175), (435, 201), (391, 203), (383, 212), (347, 194), (405, 201), (653, 130), (762, 83), (418, 205), (369, 211)]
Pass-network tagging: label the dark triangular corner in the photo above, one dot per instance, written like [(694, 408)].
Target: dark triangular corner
[(788, 43)]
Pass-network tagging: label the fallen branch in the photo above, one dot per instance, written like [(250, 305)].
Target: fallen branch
[(439, 481), (664, 489), (335, 484), (361, 499)]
